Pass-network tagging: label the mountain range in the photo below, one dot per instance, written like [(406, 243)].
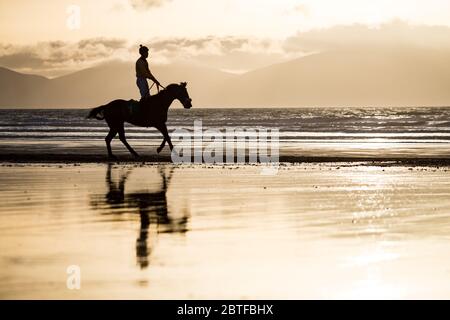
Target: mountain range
[(359, 77)]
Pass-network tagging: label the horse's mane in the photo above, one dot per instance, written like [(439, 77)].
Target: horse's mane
[(165, 90), (161, 93), (172, 85)]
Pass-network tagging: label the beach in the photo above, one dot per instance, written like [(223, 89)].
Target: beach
[(355, 206), (164, 231)]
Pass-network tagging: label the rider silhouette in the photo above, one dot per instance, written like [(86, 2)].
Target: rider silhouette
[(143, 73)]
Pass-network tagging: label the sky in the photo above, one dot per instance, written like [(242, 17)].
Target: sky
[(25, 21), (53, 37)]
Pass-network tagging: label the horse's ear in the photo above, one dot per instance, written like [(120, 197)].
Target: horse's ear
[(184, 84)]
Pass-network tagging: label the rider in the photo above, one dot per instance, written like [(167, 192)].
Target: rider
[(143, 73)]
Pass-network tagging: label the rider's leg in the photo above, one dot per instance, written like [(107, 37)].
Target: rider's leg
[(143, 87)]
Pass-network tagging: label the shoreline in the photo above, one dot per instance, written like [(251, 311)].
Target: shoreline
[(165, 158)]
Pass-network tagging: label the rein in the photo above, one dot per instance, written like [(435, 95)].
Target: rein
[(157, 87)]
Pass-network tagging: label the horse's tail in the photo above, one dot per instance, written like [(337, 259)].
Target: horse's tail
[(97, 113)]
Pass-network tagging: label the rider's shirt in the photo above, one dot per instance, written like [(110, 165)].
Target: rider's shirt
[(142, 69)]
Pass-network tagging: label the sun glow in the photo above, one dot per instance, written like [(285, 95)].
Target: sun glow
[(45, 20)]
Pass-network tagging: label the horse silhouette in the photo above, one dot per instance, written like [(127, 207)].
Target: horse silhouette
[(149, 112), (151, 206)]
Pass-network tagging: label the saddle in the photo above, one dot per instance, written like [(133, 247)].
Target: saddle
[(134, 106), (138, 112)]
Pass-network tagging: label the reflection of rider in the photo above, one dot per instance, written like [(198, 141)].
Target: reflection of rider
[(143, 73)]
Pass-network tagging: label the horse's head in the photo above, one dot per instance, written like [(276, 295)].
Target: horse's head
[(180, 93)]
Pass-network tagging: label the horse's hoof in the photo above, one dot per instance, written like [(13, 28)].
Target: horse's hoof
[(159, 149), (136, 156)]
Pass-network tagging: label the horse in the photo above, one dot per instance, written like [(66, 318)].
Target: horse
[(149, 112)]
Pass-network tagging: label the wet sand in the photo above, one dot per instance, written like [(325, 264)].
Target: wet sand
[(77, 151), (160, 231), (82, 152)]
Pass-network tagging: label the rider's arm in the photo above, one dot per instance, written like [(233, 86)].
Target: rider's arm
[(142, 70), (150, 75)]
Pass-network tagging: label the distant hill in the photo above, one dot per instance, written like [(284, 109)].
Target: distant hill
[(101, 84), (17, 89), (349, 78), (363, 77)]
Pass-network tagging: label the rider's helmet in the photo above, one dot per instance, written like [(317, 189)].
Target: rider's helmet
[(142, 49)]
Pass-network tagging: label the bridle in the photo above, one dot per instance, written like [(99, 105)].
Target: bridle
[(157, 86), (185, 100)]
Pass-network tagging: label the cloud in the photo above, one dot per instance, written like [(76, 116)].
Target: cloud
[(303, 9), (227, 53), (58, 57), (192, 47), (147, 4), (390, 35)]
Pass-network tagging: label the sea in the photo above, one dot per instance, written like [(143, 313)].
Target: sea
[(394, 132)]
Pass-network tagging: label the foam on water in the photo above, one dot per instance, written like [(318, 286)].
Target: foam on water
[(414, 132)]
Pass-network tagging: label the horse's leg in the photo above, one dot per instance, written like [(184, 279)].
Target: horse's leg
[(112, 133), (124, 141), (163, 143), (163, 129)]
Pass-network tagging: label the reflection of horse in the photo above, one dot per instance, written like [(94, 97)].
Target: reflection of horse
[(150, 112), (152, 208)]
